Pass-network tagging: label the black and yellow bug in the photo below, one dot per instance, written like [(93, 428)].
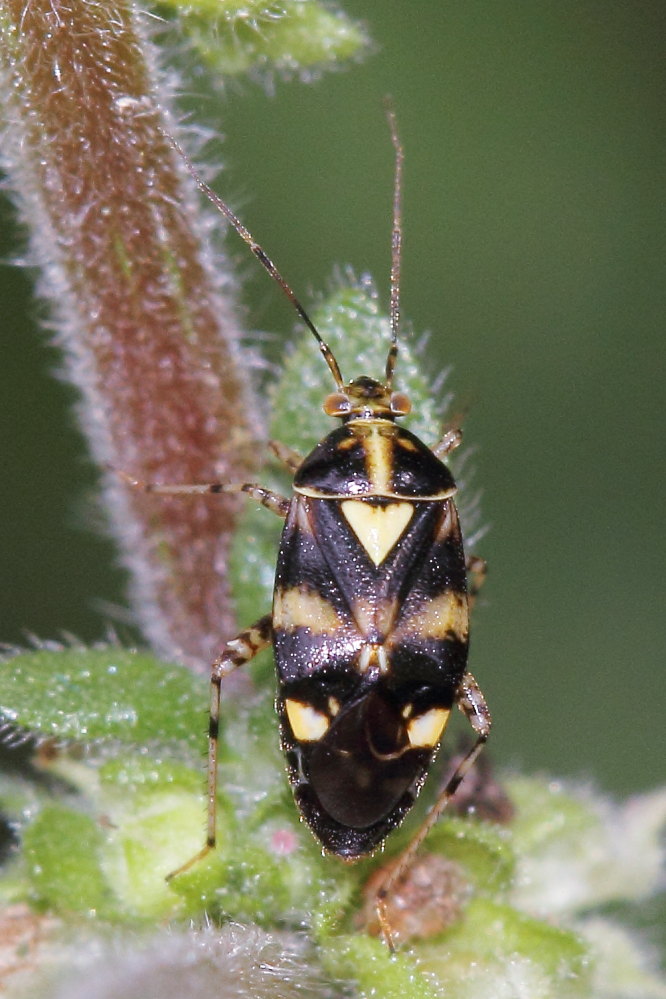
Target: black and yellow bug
[(370, 612)]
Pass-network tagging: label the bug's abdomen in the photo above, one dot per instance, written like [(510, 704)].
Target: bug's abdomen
[(357, 781)]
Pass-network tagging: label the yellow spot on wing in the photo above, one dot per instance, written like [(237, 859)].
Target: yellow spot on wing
[(446, 614), (347, 443), (425, 730), (306, 722), (405, 443), (300, 608), (378, 528)]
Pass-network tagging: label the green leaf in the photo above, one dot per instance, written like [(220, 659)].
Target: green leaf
[(292, 36), (494, 943), (103, 695), (154, 830), (376, 972), (482, 848), (61, 877), (577, 849), (147, 821)]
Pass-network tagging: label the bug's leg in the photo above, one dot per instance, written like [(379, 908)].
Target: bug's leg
[(239, 651), (272, 501), (292, 459), (472, 703), (449, 442), (477, 569)]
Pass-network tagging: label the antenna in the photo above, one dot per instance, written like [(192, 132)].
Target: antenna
[(261, 256), (396, 241)]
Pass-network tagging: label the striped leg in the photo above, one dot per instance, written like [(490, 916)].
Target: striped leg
[(272, 501), (477, 569), (239, 651), (449, 442), (472, 703), (292, 459)]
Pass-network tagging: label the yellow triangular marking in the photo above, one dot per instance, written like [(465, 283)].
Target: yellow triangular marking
[(377, 527)]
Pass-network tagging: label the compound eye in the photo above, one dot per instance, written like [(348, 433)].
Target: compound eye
[(400, 404), (337, 404)]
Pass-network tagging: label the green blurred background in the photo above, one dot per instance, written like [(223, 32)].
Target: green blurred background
[(534, 254)]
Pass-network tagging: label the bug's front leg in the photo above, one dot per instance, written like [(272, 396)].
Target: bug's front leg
[(287, 455), (477, 571), (272, 501), (449, 442), (472, 703), (239, 651)]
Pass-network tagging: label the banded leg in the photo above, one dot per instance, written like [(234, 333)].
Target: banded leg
[(477, 569), (472, 703), (287, 455), (239, 651), (272, 501), (449, 442)]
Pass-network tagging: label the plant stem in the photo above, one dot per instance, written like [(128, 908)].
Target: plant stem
[(139, 303)]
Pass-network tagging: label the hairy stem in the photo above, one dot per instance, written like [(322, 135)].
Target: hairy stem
[(136, 296)]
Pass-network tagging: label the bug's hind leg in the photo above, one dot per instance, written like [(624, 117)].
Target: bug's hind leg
[(472, 703), (239, 651)]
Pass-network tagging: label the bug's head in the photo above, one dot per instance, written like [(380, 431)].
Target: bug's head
[(365, 398)]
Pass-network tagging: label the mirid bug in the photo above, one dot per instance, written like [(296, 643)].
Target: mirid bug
[(371, 607)]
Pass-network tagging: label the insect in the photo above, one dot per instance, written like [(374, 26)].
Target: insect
[(371, 606)]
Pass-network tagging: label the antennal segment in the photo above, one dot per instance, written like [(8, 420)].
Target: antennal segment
[(261, 256), (396, 241)]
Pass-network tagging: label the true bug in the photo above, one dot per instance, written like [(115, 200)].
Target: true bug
[(371, 606)]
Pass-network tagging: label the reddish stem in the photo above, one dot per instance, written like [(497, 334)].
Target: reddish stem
[(149, 336)]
